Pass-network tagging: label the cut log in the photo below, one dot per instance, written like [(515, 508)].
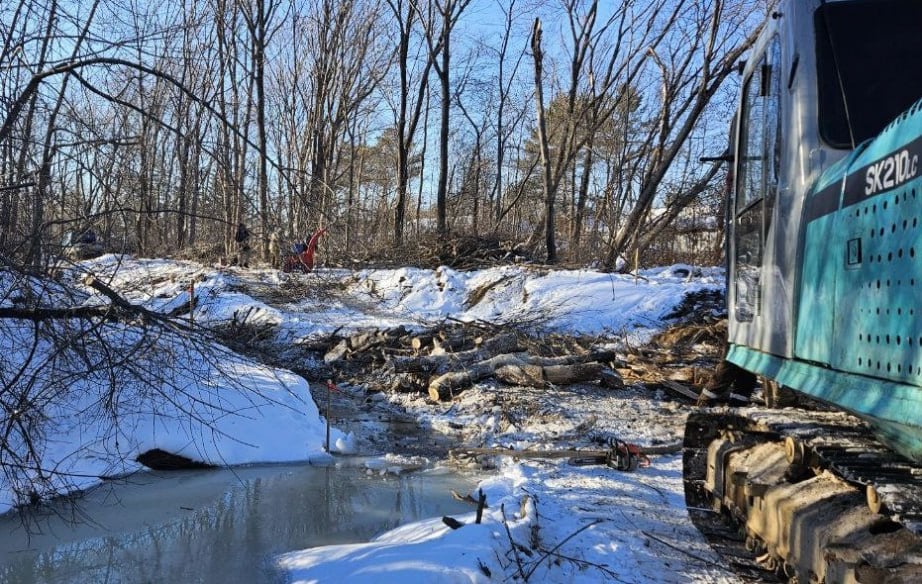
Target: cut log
[(611, 379), (420, 342), (576, 373), (517, 369), (522, 374), (339, 351), (538, 375), (504, 343), (441, 363), (441, 387), (603, 357), (364, 341), (452, 340), (361, 343), (680, 389)]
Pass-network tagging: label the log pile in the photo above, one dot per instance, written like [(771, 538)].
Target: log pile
[(679, 360), (452, 357), (462, 252), (467, 252)]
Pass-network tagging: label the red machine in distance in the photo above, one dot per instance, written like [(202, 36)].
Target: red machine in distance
[(304, 261)]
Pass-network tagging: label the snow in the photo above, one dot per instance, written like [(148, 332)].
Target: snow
[(584, 523), (584, 301), (609, 526)]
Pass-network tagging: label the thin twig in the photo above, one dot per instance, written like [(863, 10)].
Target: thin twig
[(678, 549), (582, 562), (515, 550), (559, 545)]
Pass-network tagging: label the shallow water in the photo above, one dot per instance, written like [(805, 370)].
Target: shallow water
[(216, 525)]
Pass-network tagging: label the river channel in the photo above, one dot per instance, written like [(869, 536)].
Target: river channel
[(223, 525)]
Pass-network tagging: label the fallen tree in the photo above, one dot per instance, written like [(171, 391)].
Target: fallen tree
[(522, 369)]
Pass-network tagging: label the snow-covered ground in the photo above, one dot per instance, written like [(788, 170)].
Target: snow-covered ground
[(546, 520)]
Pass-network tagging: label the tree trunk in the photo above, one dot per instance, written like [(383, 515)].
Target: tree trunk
[(443, 73), (580, 211), (550, 191)]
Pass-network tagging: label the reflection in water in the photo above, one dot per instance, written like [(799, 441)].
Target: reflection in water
[(219, 525)]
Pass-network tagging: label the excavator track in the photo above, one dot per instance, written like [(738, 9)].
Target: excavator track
[(811, 496)]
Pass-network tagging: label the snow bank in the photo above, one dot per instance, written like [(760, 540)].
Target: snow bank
[(579, 301), (81, 421)]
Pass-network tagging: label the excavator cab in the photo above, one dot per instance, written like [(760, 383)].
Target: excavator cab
[(824, 232), (824, 76)]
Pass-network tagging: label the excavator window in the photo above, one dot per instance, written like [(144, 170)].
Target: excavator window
[(869, 66), (757, 176)]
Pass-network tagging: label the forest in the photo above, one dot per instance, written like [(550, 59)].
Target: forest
[(563, 131)]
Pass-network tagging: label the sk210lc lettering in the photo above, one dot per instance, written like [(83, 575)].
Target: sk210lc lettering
[(891, 172)]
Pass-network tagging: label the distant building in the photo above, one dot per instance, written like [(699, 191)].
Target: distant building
[(694, 237)]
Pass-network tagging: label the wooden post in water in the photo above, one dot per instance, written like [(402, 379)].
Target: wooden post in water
[(329, 402), (481, 503)]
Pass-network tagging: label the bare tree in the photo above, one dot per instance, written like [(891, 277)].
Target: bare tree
[(259, 16), (472, 184), (504, 80), (408, 109), (550, 190), (439, 18), (690, 76), (606, 69)]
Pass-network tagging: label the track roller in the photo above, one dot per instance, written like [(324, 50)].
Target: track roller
[(873, 497), (794, 450)]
